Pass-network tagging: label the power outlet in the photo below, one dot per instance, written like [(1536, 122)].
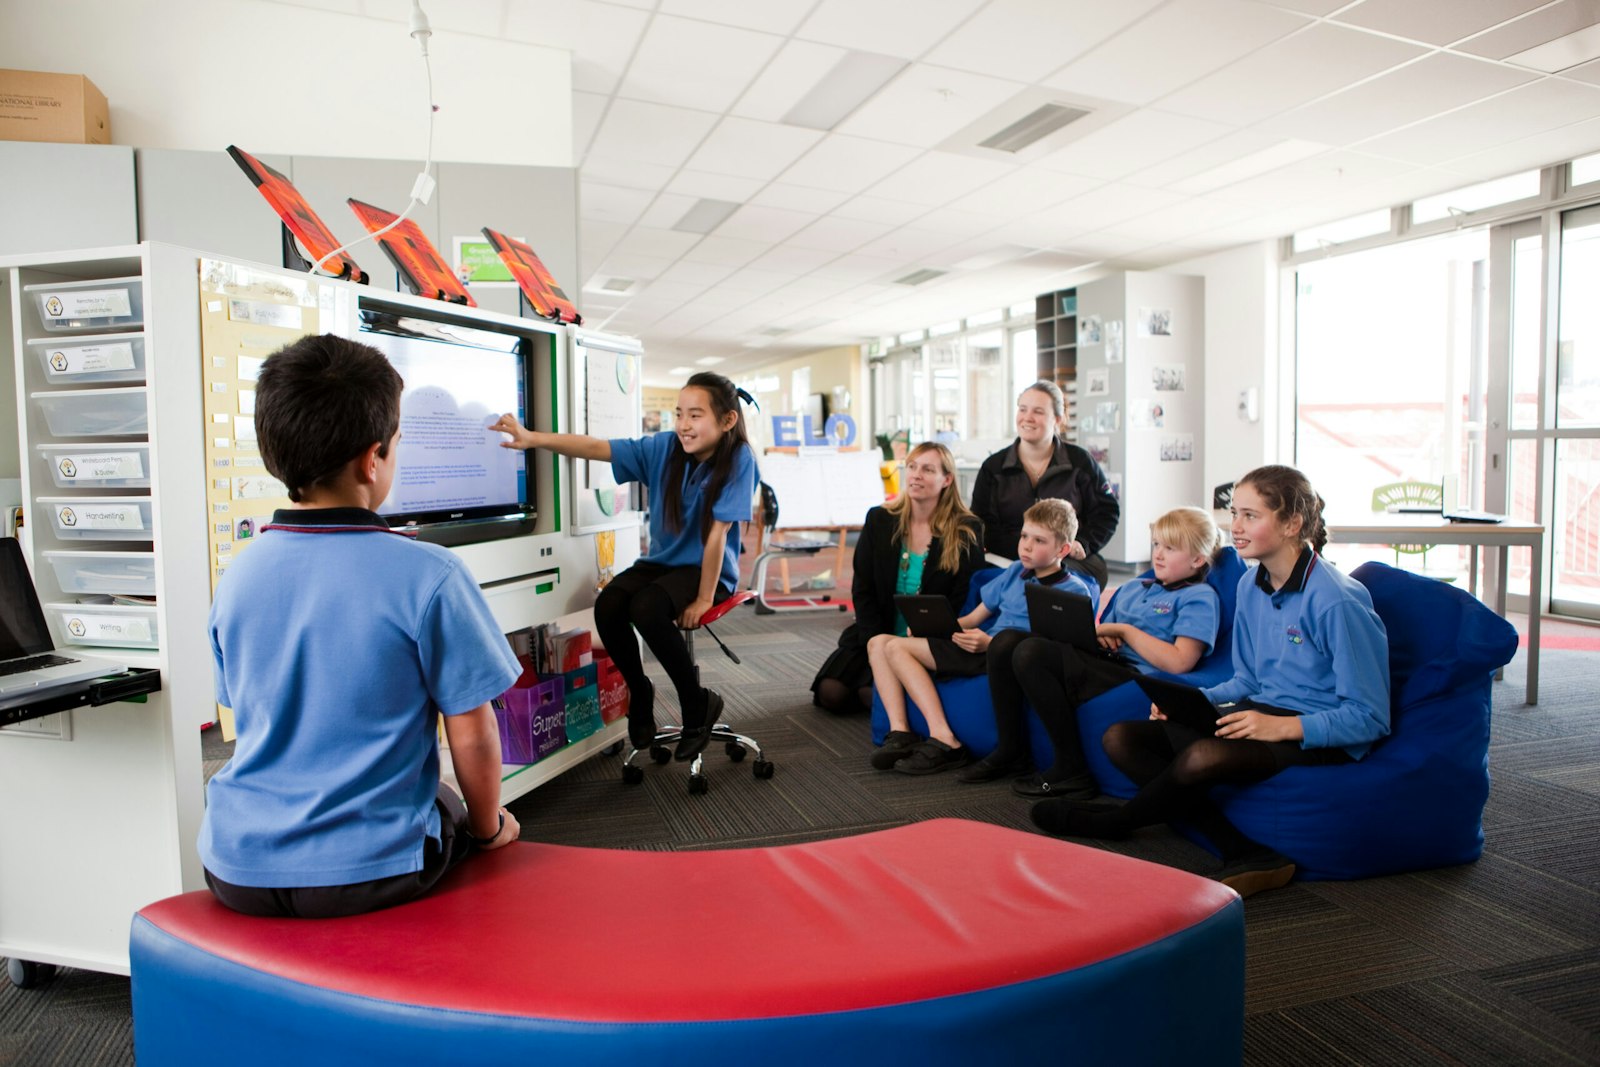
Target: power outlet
[(57, 727)]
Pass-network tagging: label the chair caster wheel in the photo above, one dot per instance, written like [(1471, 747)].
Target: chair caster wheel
[(736, 751), (698, 784), (26, 974), (763, 768), (660, 754), (632, 775)]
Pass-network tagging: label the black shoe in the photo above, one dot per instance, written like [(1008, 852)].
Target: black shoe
[(896, 747), (992, 768), (1074, 818), (1079, 786), (932, 756), (1256, 873), (694, 741), (642, 719)]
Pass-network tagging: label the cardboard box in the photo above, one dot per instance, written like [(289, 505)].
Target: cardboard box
[(66, 108)]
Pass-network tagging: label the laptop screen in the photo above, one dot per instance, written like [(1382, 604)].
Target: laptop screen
[(22, 628)]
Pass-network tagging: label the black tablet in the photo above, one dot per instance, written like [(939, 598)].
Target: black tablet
[(1181, 703), (927, 616)]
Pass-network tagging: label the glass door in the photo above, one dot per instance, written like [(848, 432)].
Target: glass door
[(1575, 476), (1513, 426)]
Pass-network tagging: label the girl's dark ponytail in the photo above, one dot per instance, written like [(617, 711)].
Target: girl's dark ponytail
[(1288, 493)]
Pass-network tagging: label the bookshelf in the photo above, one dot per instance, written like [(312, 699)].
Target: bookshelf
[(1055, 326)]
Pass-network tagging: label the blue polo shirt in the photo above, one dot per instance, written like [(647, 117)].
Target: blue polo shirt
[(335, 643), (1189, 610), (1315, 646), (1004, 596), (644, 459)]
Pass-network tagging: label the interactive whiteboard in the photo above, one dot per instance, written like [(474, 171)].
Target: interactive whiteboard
[(822, 490)]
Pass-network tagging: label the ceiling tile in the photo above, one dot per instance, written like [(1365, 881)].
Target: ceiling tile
[(792, 73), (861, 269), (629, 173), (611, 203), (1437, 22), (1205, 158), (651, 241), (1522, 112), (958, 223), (880, 209), (621, 264), (1433, 84), (1028, 40), (746, 148), (1542, 149), (1023, 191), (1306, 7), (1182, 220), (587, 108), (755, 280), (907, 243), (939, 177), (1133, 142), (834, 234), (792, 260), (665, 211), (1302, 67), (698, 184), (925, 105), (770, 16), (692, 273), (1588, 72), (1106, 206), (695, 64), (906, 28), (650, 133), (799, 198), (752, 222), (726, 251), (1177, 44), (607, 36), (1543, 26), (848, 164), (1328, 175)]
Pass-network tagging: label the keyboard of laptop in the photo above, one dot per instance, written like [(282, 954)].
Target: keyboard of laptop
[(33, 663)]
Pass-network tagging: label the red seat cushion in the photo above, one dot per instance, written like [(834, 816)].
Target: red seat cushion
[(932, 909)]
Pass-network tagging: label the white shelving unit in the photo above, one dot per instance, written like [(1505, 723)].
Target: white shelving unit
[(106, 802)]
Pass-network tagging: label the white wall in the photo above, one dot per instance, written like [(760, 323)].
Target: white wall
[(1242, 352), (204, 74)]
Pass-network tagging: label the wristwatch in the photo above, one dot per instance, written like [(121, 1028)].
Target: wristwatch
[(482, 841)]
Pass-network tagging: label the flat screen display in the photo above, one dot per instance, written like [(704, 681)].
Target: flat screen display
[(458, 380)]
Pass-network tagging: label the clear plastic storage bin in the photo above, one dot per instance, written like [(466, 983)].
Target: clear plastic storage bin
[(128, 573), (103, 518), (99, 304), (97, 466), (109, 357), (116, 625), (95, 412)]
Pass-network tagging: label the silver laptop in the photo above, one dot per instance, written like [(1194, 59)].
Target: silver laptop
[(30, 667)]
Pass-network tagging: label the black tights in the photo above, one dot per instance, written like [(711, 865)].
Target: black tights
[(649, 598), (1174, 766), (837, 697), (1054, 678)]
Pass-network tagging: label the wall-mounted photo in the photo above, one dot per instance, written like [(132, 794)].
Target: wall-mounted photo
[(1177, 448), (1155, 322), (1167, 377), (1097, 382)]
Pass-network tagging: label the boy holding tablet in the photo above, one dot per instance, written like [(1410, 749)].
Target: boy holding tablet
[(337, 643)]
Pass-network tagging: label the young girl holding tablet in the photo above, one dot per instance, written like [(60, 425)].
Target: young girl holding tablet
[(702, 480), (1310, 685), (1165, 623)]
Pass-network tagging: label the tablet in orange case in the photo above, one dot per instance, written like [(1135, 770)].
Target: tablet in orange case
[(425, 271), (306, 225), (536, 282)]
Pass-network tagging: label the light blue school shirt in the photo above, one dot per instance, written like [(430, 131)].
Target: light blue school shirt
[(1191, 610), (644, 459), (1315, 646), (335, 643), (1003, 595)]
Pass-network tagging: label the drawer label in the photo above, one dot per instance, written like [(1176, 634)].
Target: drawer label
[(85, 516), (121, 629), (100, 466), (88, 304), (91, 359)]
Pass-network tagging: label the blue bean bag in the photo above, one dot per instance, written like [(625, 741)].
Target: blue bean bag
[(1416, 800)]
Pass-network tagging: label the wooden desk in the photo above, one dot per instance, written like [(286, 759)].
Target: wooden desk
[(1385, 529)]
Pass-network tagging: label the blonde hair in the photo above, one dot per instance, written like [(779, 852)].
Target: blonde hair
[(1190, 529), (953, 523), (1057, 516)]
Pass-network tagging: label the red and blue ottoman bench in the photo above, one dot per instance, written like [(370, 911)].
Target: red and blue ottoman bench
[(942, 942)]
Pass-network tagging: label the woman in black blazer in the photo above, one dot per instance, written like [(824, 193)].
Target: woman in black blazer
[(927, 533)]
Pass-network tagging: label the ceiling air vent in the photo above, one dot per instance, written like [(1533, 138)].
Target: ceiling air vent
[(1039, 123), (917, 277), (617, 285), (705, 215), (775, 331)]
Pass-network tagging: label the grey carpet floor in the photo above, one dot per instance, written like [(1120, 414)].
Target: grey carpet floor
[(1495, 962)]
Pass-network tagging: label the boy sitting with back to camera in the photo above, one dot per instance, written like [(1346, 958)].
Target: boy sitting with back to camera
[(337, 643), (901, 665)]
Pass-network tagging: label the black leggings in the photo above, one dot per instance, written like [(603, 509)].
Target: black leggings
[(649, 597), (1054, 678), (1174, 766)]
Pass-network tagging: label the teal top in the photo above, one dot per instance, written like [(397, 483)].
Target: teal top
[(908, 582)]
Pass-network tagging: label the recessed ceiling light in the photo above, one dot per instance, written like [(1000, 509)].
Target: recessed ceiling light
[(709, 361), (917, 277), (705, 216), (854, 80), (676, 371), (1037, 124), (1553, 56), (617, 285), (775, 331)]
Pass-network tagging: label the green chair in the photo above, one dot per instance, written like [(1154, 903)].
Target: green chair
[(1411, 495)]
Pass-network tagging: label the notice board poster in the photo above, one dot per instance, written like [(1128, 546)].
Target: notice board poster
[(608, 402)]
